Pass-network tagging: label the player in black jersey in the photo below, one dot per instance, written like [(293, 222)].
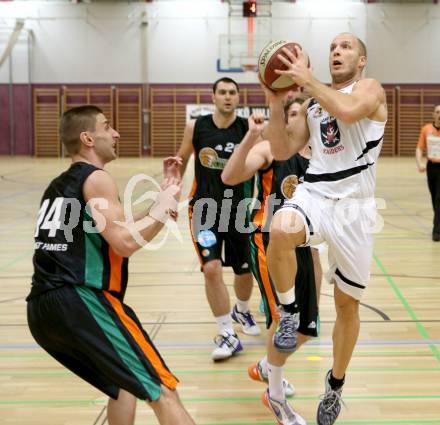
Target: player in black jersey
[(82, 244), (214, 210), (276, 181)]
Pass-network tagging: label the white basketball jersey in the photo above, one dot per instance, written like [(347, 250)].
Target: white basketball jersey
[(344, 156)]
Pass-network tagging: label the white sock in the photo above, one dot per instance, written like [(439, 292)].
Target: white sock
[(275, 374), (263, 365), (225, 324), (242, 306), (287, 297)]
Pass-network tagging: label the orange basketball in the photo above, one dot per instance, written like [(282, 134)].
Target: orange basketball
[(268, 62)]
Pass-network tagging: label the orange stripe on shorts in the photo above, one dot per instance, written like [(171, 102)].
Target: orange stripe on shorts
[(264, 273), (115, 270), (167, 378)]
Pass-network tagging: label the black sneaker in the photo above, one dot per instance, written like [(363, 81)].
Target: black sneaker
[(285, 337), (436, 237), (330, 405)]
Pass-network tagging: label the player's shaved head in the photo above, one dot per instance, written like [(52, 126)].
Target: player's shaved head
[(362, 48)]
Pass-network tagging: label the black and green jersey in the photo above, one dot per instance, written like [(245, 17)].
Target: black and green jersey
[(69, 250), (213, 147), (275, 184)]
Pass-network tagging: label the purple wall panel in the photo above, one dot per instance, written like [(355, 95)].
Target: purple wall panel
[(22, 120), (4, 120)]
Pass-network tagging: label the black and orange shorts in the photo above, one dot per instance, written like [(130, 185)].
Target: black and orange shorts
[(305, 288), (100, 339), (221, 242)]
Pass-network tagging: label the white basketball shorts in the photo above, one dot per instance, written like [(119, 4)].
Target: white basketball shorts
[(347, 225)]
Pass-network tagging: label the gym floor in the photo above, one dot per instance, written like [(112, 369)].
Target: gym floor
[(394, 376)]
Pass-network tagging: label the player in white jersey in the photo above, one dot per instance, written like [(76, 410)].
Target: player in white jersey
[(344, 125)]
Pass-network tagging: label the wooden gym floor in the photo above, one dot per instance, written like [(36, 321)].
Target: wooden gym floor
[(394, 376)]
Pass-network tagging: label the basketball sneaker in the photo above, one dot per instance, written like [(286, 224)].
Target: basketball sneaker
[(227, 346), (256, 373), (248, 324), (330, 405), (284, 413), (285, 336)]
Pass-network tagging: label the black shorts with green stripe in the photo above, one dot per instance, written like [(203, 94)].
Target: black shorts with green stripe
[(100, 339), (305, 288)]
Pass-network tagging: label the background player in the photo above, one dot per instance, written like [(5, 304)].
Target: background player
[(276, 181), (213, 139)]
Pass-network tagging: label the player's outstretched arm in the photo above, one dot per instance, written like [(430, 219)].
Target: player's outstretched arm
[(125, 236), (285, 142), (175, 166), (249, 156)]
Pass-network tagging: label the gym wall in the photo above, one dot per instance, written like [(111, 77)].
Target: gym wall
[(170, 43)]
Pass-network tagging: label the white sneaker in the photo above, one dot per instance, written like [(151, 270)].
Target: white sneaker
[(248, 324), (256, 373), (227, 346), (284, 413)]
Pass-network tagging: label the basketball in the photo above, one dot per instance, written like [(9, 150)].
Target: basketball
[(268, 62)]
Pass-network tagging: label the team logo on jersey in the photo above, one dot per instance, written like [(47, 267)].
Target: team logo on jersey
[(206, 238), (288, 186), (208, 158), (330, 134), (318, 111)]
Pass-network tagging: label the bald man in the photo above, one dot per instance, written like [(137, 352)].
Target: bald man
[(344, 125)]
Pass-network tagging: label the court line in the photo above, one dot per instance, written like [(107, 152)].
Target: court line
[(253, 353), (220, 399), (260, 321), (160, 321), (411, 216), (16, 172), (329, 353), (310, 343), (64, 373), (406, 276), (10, 227), (358, 422), (102, 414), (380, 313), (421, 329), (180, 272), (12, 299), (17, 259), (18, 194), (405, 229)]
